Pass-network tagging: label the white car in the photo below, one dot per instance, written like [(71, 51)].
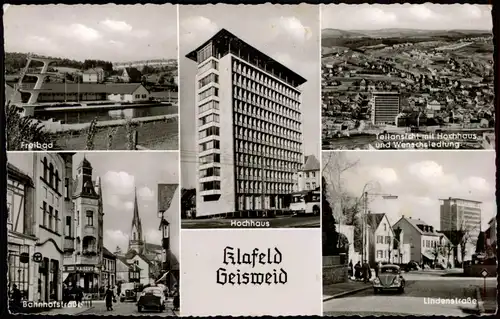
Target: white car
[(151, 298)]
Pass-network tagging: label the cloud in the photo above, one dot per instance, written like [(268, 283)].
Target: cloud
[(117, 26), (376, 15), (471, 11), (140, 33), (384, 175), (292, 27), (128, 205), (117, 202), (475, 183), (121, 183), (114, 237), (422, 12), (146, 193), (197, 28), (83, 32), (153, 236), (117, 43)]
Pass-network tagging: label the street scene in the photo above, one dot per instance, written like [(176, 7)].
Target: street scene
[(409, 233), (250, 161), (407, 77), (103, 79), (105, 239)]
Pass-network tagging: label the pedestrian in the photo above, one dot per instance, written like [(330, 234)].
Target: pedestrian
[(78, 295), (177, 299), (357, 270), (65, 295), (377, 269), (366, 272), (110, 297), (350, 269), (16, 297)]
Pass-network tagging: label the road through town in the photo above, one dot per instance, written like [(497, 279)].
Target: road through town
[(423, 296)]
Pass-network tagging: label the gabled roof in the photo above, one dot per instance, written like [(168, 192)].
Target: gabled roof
[(311, 163), (132, 253), (16, 173), (107, 253), (152, 247), (93, 71), (416, 222), (374, 220), (133, 73)]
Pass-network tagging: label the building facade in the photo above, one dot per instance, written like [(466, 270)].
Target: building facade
[(458, 214), (309, 176), (86, 267), (108, 275), (381, 247), (21, 237), (385, 107), (94, 75), (249, 128)]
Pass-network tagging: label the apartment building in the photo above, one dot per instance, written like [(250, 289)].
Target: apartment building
[(249, 128), (385, 107)]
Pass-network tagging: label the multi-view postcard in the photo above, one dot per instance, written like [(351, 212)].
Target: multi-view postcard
[(91, 77), (407, 77)]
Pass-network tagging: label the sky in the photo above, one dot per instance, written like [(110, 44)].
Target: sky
[(289, 34), (105, 32), (420, 179), (120, 173), (411, 16)]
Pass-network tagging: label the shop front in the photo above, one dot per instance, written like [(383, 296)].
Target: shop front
[(19, 264), (47, 272), (84, 276)]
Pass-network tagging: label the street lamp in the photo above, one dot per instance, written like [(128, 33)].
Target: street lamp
[(364, 227)]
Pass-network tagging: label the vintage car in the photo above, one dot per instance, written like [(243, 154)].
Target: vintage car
[(128, 291), (389, 278), (151, 298)]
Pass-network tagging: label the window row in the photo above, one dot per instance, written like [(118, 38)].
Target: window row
[(50, 217), (268, 163), (212, 130), (210, 145), (266, 151), (429, 243), (51, 175), (289, 131), (211, 171), (265, 103), (258, 137), (257, 174), (264, 79), (211, 78), (205, 53), (249, 185), (266, 92), (208, 186), (209, 119), (212, 91), (380, 239), (311, 186), (270, 118), (210, 65), (212, 158), (210, 105)]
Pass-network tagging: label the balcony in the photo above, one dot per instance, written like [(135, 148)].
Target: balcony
[(89, 251), (69, 245), (89, 231)]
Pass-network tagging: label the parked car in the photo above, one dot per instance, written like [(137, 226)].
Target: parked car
[(412, 265), (128, 291), (389, 278), (151, 298)]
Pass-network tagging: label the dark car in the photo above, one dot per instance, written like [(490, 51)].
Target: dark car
[(389, 278), (128, 292), (151, 298), (412, 265)]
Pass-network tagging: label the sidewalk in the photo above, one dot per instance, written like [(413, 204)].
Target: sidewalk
[(343, 289), (489, 301)]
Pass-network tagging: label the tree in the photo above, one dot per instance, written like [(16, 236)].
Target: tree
[(23, 129), (481, 243), (328, 229)]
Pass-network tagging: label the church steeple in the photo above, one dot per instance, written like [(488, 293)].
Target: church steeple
[(136, 239)]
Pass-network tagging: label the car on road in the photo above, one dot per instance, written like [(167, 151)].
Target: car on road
[(129, 291), (412, 265), (151, 298), (389, 278)]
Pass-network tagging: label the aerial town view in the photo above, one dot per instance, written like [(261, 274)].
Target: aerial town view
[(416, 77), (96, 83)]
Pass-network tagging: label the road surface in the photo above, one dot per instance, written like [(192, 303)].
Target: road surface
[(127, 309), (277, 222), (422, 291)]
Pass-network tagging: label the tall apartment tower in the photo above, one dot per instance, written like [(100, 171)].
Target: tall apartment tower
[(385, 107), (461, 214), (249, 128)]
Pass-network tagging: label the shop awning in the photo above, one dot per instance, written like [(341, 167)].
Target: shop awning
[(428, 256)]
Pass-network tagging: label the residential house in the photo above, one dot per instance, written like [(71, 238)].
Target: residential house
[(94, 75), (125, 271), (423, 239), (131, 75), (309, 177), (21, 237), (108, 275), (148, 268), (401, 254), (446, 251), (381, 245)]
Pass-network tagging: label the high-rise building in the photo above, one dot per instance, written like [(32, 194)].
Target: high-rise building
[(385, 107), (249, 128), (458, 214)]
